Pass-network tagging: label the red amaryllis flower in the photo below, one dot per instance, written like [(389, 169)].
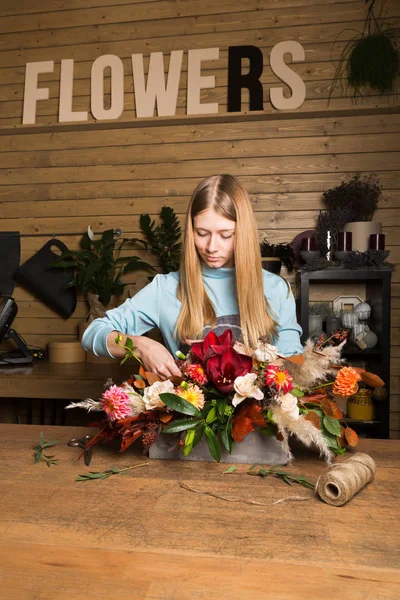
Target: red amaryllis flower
[(203, 350), (247, 416), (279, 378), (225, 365)]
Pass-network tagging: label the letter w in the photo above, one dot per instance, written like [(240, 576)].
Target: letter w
[(156, 90)]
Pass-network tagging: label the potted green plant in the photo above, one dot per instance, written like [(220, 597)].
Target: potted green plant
[(99, 267), (163, 240), (317, 312), (274, 255), (352, 205), (370, 61), (333, 320)]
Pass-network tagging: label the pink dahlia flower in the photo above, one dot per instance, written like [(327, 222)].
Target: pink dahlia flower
[(115, 403)]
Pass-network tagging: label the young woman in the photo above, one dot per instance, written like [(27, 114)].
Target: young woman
[(220, 285)]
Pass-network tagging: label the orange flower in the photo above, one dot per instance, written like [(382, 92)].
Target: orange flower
[(193, 394), (346, 382)]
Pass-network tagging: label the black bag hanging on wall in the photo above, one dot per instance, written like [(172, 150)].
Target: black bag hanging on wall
[(10, 252), (49, 283)]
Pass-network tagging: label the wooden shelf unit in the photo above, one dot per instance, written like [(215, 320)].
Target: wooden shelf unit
[(377, 294)]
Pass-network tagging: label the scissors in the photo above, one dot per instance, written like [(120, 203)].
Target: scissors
[(82, 443)]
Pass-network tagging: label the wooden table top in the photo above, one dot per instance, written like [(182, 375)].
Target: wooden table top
[(142, 536), (60, 381)]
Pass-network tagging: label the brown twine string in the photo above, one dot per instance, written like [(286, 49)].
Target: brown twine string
[(234, 499), (336, 486), (341, 481)]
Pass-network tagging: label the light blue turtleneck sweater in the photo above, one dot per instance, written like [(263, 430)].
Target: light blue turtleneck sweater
[(157, 305)]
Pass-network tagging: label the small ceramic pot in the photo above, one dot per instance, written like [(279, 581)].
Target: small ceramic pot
[(332, 325), (360, 406)]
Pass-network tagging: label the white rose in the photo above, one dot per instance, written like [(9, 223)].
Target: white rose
[(245, 388), (265, 352), (136, 400), (290, 406), (151, 396)]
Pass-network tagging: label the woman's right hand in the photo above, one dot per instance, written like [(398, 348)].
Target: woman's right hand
[(155, 357)]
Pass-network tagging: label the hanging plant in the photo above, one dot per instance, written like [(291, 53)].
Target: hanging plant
[(371, 61)]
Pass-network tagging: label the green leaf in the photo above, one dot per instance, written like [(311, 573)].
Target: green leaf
[(180, 405), (180, 425), (49, 444), (146, 226), (270, 416), (230, 469), (317, 412), (267, 431), (41, 437), (332, 425), (296, 392), (212, 415), (331, 440), (187, 449), (189, 437), (221, 405), (135, 264), (38, 456), (213, 444), (226, 436), (129, 343), (199, 430)]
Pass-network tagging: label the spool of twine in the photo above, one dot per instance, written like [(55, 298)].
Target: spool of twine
[(340, 482)]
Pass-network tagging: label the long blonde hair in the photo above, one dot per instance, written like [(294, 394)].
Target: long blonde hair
[(228, 197)]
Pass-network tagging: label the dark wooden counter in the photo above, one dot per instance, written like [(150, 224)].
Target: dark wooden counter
[(58, 381)]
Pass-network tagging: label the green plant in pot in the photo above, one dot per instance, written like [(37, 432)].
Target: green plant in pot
[(351, 207), (274, 255), (163, 240), (317, 313), (370, 61), (99, 267)]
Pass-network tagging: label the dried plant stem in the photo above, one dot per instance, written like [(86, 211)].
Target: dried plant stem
[(234, 499), (105, 474)]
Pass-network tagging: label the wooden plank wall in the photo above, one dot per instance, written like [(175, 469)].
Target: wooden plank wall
[(56, 179)]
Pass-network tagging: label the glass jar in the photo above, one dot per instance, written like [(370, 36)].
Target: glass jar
[(360, 405)]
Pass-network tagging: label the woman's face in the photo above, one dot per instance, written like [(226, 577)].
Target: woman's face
[(214, 238)]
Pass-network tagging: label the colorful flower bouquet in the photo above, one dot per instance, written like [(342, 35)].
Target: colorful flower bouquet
[(225, 394)]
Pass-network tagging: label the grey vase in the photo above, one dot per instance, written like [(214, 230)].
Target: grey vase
[(255, 448)]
